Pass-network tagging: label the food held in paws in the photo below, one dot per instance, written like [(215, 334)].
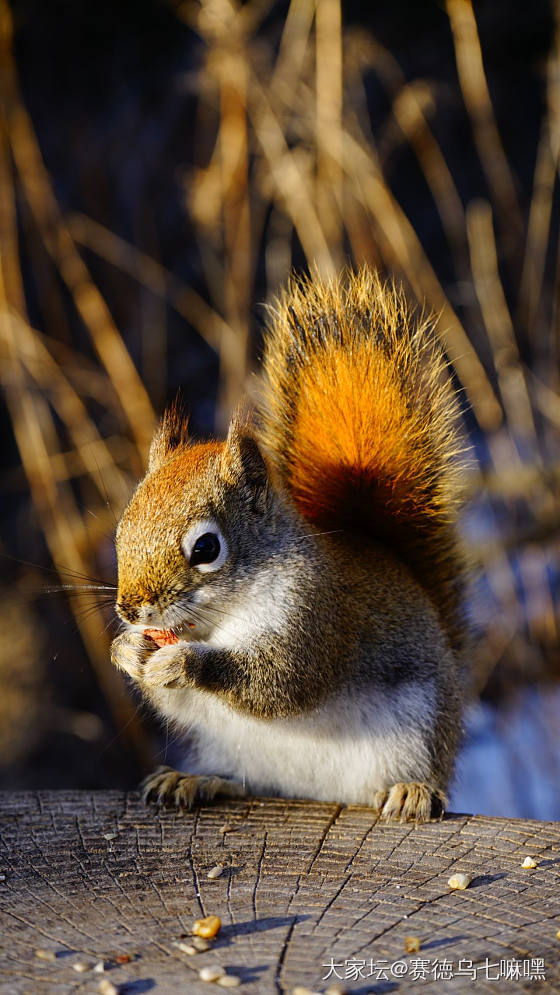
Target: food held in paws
[(163, 637)]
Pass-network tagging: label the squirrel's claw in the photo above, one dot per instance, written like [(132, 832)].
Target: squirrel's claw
[(410, 802), (169, 788)]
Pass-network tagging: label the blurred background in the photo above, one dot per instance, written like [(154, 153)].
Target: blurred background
[(164, 164)]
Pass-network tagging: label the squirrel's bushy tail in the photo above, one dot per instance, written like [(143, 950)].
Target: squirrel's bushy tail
[(359, 422)]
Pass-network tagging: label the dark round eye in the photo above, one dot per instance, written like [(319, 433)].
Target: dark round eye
[(205, 550)]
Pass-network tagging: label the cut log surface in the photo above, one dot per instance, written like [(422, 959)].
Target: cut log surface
[(311, 895)]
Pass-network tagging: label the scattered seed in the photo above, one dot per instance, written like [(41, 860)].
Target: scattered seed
[(185, 948), (412, 944), (459, 881), (99, 967), (529, 862), (106, 987), (229, 981), (211, 973), (123, 959), (208, 928), (215, 872), (110, 836), (80, 967), (201, 944), (45, 955)]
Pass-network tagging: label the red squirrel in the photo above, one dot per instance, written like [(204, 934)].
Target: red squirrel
[(308, 567)]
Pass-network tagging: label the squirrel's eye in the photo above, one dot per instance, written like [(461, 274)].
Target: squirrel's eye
[(205, 550), (204, 547)]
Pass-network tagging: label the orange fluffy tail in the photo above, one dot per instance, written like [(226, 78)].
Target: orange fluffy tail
[(359, 422)]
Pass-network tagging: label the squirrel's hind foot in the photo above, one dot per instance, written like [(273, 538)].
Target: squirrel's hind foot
[(410, 802), (169, 788)]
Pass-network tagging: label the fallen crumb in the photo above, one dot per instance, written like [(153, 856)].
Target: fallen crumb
[(45, 955), (107, 987), (211, 973), (201, 944), (229, 981), (208, 928), (185, 948), (412, 944), (459, 881), (123, 959), (99, 967), (80, 967), (110, 836), (529, 862), (215, 872)]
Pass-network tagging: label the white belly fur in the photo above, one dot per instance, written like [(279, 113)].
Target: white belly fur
[(344, 751)]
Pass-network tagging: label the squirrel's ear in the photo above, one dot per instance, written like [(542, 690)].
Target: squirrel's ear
[(171, 433), (243, 463)]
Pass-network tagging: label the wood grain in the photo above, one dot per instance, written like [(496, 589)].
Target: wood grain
[(94, 875)]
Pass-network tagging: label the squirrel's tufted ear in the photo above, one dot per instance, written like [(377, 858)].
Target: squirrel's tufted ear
[(171, 433), (243, 463)]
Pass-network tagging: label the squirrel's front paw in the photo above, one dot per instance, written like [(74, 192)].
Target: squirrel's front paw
[(142, 659), (166, 668), (170, 788), (130, 652), (410, 802)]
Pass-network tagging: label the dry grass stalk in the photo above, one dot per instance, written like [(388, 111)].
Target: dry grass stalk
[(412, 104), (474, 86), (498, 323), (92, 308), (329, 180), (537, 243)]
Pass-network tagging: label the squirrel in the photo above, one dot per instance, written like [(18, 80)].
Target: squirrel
[(308, 567)]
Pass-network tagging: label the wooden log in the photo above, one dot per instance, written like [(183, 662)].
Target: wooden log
[(308, 890)]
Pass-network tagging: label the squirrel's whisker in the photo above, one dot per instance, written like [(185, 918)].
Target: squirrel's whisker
[(77, 588), (58, 569), (203, 612)]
